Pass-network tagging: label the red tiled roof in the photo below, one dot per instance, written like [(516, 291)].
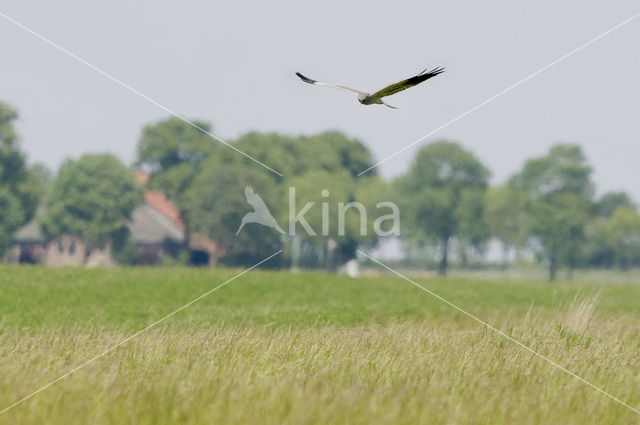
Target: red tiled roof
[(160, 203), (157, 200)]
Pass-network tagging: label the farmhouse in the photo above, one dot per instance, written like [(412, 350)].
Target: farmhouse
[(155, 227)]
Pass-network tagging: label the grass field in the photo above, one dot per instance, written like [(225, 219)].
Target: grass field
[(276, 348)]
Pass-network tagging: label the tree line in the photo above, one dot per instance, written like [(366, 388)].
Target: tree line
[(447, 207)]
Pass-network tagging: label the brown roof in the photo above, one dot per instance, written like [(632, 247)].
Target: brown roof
[(149, 226), (30, 232), (160, 203), (157, 200)]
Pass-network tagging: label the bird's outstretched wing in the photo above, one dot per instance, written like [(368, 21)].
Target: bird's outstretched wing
[(319, 83), (254, 199), (405, 84)]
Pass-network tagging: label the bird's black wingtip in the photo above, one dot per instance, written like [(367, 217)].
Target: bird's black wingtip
[(434, 71), (305, 79)]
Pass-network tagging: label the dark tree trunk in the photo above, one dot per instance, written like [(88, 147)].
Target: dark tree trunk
[(505, 256), (444, 261), (553, 268)]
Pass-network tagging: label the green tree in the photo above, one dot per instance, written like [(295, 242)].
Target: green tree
[(91, 198), (340, 218), (558, 190), (611, 201), (173, 150), (332, 151), (216, 203), (623, 231), (504, 210), (20, 189), (598, 251), (41, 174), (443, 192), (296, 155)]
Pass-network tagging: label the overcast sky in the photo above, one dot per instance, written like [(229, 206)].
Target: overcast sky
[(233, 63)]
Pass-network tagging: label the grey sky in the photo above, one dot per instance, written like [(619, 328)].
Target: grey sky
[(233, 63)]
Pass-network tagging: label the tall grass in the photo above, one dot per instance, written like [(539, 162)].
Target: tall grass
[(275, 348), (406, 372)]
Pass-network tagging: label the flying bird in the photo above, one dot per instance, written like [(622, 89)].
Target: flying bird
[(376, 98), (260, 213)]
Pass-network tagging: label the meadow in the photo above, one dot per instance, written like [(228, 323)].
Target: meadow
[(275, 347)]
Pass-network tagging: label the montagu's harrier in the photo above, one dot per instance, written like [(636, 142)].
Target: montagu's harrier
[(376, 98)]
